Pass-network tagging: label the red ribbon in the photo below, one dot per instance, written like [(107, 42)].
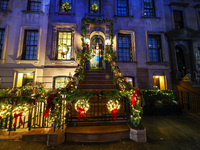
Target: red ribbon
[(136, 93), (133, 99), (16, 117), (0, 117), (63, 54), (81, 112), (49, 101), (114, 111)]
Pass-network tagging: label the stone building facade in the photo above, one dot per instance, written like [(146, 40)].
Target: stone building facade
[(183, 25), (140, 40)]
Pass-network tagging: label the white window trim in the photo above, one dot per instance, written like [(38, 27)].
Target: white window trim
[(5, 43), (21, 42), (163, 44), (132, 33)]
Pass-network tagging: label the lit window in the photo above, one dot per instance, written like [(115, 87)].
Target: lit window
[(60, 82), (98, 2), (124, 48), (122, 7), (4, 4), (34, 5), (1, 41), (178, 19), (62, 1), (64, 45), (30, 45), (24, 78), (159, 82), (149, 10), (155, 51)]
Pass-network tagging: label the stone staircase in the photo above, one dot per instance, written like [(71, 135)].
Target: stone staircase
[(97, 80)]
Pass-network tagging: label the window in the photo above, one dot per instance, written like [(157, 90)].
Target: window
[(1, 41), (4, 4), (62, 1), (98, 2), (30, 45), (130, 80), (64, 45), (24, 78), (34, 5), (159, 82), (155, 54), (60, 82), (124, 47), (122, 8), (178, 19), (149, 10)]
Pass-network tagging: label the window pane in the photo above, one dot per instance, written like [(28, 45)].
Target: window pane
[(61, 82), (30, 45), (124, 47), (149, 10), (98, 2), (64, 45), (4, 4), (155, 54), (122, 8), (24, 78), (34, 5), (178, 19), (2, 31)]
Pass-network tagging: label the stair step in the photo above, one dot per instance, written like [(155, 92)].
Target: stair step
[(97, 86), (107, 90), (99, 78), (97, 71), (98, 75), (97, 82)]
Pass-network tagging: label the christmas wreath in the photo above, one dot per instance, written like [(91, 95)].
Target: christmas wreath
[(82, 106), (95, 7), (66, 6), (64, 48), (113, 106)]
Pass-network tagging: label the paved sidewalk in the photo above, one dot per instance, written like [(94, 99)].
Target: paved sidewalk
[(180, 132)]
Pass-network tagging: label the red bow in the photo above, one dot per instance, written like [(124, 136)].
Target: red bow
[(138, 93), (114, 111), (0, 117), (81, 112), (63, 54), (87, 46), (16, 117), (133, 99), (49, 101)]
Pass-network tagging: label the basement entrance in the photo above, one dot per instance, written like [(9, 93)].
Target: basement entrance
[(97, 46)]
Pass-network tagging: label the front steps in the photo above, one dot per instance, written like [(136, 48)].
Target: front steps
[(97, 80)]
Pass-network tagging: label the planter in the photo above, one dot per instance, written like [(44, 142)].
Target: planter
[(138, 135)]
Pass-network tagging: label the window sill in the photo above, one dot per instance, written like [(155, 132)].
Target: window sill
[(94, 15), (158, 63), (32, 12), (27, 61), (126, 62), (117, 16), (5, 10), (2, 61), (65, 13), (151, 18), (63, 62)]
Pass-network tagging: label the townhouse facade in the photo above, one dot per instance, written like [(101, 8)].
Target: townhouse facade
[(33, 42)]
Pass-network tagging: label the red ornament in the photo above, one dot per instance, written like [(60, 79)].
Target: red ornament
[(81, 112), (114, 112), (16, 117)]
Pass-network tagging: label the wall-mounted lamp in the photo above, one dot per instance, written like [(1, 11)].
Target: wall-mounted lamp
[(107, 42)]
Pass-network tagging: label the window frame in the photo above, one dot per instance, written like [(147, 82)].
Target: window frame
[(2, 40), (54, 79), (56, 56), (34, 1), (182, 19), (127, 9), (7, 6), (90, 10), (133, 79), (130, 48), (159, 50), (154, 10), (24, 51)]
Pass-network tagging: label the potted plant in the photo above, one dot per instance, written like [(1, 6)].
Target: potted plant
[(95, 7), (66, 6)]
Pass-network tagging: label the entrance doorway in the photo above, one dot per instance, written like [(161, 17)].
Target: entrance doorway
[(97, 46), (181, 62)]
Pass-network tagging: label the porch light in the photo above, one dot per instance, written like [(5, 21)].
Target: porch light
[(87, 41), (107, 42)]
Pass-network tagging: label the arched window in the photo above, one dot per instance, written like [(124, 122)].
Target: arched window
[(60, 81)]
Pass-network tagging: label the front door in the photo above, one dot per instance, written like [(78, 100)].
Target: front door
[(97, 46)]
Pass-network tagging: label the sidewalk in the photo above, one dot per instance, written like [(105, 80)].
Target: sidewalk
[(163, 133)]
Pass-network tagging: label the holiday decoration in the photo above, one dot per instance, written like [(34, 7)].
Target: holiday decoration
[(82, 106), (66, 6), (95, 7), (113, 106), (64, 50)]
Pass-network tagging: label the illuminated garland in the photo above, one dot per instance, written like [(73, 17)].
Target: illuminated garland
[(82, 106), (113, 107)]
